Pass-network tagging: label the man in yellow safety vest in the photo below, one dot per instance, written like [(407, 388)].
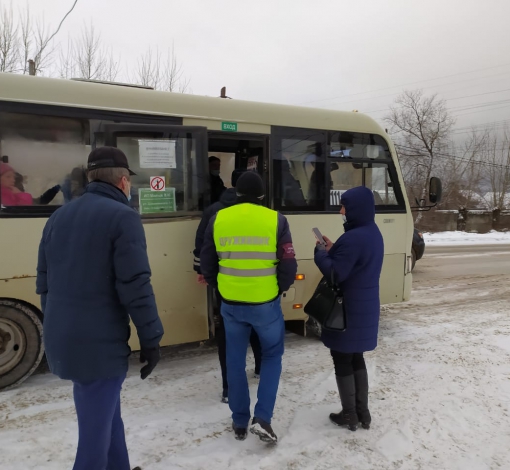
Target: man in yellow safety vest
[(248, 256)]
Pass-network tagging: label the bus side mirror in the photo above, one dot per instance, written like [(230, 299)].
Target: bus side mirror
[(435, 190)]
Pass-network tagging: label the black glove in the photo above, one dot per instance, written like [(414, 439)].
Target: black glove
[(151, 356)]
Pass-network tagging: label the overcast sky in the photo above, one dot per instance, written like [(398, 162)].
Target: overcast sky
[(355, 54)]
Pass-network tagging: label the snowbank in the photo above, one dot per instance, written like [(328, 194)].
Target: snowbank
[(464, 238)]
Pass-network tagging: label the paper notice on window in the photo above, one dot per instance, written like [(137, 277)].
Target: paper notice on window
[(157, 153)]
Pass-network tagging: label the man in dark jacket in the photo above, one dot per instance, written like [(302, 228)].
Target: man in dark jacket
[(216, 183), (356, 260), (227, 199), (248, 256), (93, 276)]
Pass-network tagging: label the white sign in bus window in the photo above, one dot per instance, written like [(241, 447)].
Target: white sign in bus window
[(157, 153)]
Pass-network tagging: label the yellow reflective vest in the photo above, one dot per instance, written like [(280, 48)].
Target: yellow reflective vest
[(245, 236)]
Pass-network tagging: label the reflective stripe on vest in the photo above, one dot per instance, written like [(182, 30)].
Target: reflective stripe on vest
[(247, 272), (246, 255), (245, 236)]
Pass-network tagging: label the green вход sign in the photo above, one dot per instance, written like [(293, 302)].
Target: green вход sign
[(229, 126), (156, 202)]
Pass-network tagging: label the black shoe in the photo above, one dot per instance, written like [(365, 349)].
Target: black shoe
[(361, 381), (224, 396), (137, 468), (348, 416), (264, 430), (240, 433), (343, 419)]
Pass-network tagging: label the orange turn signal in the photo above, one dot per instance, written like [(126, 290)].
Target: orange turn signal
[(300, 277), (296, 306)]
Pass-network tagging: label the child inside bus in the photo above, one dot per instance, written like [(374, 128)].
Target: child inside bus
[(10, 194)]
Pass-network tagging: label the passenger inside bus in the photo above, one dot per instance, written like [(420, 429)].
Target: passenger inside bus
[(291, 192), (75, 184), (217, 185), (42, 200), (316, 188), (11, 195)]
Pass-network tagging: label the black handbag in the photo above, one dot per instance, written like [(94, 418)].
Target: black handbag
[(326, 305)]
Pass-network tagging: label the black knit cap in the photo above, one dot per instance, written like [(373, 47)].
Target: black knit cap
[(108, 157), (250, 184)]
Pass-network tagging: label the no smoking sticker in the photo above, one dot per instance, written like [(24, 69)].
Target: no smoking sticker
[(157, 183)]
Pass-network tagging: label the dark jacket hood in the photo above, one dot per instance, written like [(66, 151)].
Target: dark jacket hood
[(359, 206), (229, 197)]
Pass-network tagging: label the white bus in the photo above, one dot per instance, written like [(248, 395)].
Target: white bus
[(307, 158)]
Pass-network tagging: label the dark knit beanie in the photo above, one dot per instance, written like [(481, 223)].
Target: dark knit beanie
[(250, 184)]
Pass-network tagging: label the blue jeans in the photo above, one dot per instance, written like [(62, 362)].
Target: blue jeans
[(101, 442), (267, 321)]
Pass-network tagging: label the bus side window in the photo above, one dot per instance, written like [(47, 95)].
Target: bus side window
[(42, 151), (362, 160), (298, 169)]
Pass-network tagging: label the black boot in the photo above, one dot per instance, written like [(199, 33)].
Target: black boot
[(361, 380), (347, 417)]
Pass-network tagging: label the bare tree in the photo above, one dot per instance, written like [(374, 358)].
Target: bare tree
[(87, 58), (462, 172), (36, 43), (161, 73), (148, 71), (421, 126), (9, 41), (21, 40), (27, 47), (496, 156)]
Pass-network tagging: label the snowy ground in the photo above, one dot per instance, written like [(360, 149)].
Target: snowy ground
[(440, 398), (464, 238)]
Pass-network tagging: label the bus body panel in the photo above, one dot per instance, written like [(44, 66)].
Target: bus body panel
[(182, 302), (73, 94)]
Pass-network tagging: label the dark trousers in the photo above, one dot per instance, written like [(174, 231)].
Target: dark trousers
[(347, 363), (101, 442), (222, 350)]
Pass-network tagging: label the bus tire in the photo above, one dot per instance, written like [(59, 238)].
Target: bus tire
[(413, 259), (21, 344)]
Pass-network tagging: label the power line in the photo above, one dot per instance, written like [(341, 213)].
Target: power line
[(478, 105), (479, 94), (501, 124), (406, 84), (461, 159), (446, 99), (456, 109), (483, 110), (62, 22)]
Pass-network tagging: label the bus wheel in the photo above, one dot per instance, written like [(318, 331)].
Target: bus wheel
[(21, 345)]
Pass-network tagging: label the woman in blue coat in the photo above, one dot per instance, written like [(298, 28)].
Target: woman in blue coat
[(356, 260)]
